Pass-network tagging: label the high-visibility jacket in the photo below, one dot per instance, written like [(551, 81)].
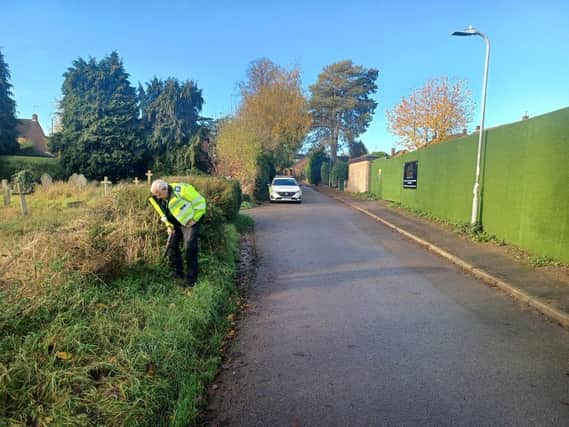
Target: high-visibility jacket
[(185, 204)]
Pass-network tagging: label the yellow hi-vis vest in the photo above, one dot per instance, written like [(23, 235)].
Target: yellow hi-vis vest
[(185, 204)]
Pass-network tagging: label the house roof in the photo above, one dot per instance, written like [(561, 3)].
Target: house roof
[(31, 131)]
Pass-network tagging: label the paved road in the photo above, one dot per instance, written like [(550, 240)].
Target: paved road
[(354, 325)]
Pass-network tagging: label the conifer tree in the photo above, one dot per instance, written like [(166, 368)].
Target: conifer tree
[(101, 134), (8, 122)]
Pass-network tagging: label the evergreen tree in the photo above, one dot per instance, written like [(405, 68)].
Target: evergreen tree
[(101, 134), (8, 122), (170, 116), (341, 105)]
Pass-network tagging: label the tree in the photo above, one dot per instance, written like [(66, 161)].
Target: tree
[(278, 111), (432, 113), (170, 116), (340, 103), (8, 122), (268, 128), (101, 133), (357, 149)]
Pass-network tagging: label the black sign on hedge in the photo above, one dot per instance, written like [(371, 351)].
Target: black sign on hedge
[(410, 174)]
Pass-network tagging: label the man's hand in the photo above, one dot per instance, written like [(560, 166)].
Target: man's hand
[(171, 231), (191, 223)]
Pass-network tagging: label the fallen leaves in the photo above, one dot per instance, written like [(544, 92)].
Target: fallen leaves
[(63, 355)]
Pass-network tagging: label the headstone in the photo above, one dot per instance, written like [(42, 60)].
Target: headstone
[(136, 181), (72, 178), (81, 181), (46, 180), (149, 176), (6, 192), (106, 183)]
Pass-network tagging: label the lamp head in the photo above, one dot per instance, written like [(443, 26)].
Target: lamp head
[(470, 31)]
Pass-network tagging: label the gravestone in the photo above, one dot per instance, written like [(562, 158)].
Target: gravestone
[(46, 180), (78, 180), (136, 181), (106, 183), (149, 176), (6, 192), (72, 178)]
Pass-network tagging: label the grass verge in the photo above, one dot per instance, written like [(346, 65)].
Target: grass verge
[(128, 348)]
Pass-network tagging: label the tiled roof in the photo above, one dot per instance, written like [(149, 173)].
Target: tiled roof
[(30, 130)]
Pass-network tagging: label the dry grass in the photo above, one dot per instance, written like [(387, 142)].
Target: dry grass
[(93, 330)]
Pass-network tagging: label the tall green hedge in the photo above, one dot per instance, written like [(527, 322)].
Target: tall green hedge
[(9, 165)]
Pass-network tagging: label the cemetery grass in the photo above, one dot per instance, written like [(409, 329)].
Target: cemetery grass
[(113, 342)]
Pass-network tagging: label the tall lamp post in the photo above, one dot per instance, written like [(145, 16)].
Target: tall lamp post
[(470, 31)]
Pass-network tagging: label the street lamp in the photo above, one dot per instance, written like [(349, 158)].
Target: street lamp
[(470, 31)]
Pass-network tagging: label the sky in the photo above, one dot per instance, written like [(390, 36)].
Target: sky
[(213, 42)]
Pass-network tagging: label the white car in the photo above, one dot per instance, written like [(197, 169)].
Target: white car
[(285, 189)]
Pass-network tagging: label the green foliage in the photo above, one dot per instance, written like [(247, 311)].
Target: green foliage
[(9, 165), (325, 173), (101, 135), (23, 181), (380, 154), (8, 122), (314, 164), (341, 103), (244, 223), (170, 113), (339, 173), (263, 177)]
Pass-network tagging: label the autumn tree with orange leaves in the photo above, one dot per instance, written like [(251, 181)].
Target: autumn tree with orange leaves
[(268, 128), (432, 113)]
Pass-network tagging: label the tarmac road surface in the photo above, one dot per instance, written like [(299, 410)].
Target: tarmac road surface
[(352, 325)]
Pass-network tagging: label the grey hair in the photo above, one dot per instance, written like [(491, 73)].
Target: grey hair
[(158, 185)]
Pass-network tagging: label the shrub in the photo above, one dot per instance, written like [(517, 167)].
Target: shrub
[(324, 173), (9, 165), (339, 172), (23, 181), (314, 164)]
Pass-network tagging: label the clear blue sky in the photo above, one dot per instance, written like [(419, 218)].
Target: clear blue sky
[(213, 42)]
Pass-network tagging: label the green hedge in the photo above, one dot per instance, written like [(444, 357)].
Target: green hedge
[(9, 165)]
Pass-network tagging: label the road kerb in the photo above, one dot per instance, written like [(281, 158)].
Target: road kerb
[(551, 312)]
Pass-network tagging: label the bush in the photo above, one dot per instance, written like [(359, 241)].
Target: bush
[(23, 181), (339, 172), (263, 176), (324, 173), (9, 165), (314, 164)]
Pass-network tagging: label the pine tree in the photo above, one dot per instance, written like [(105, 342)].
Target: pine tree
[(341, 105), (101, 134), (8, 122)]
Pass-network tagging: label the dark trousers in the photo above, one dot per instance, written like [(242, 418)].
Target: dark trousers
[(189, 235)]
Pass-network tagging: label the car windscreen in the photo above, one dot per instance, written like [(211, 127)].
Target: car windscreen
[(284, 182)]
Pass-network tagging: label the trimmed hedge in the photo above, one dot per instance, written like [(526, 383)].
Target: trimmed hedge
[(9, 165)]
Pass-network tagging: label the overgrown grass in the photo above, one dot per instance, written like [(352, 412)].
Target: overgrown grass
[(115, 341)]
